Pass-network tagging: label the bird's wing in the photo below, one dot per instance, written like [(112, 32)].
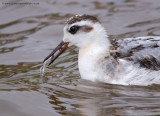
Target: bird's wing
[(144, 51)]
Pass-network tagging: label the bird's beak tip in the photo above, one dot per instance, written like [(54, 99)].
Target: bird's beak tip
[(56, 52)]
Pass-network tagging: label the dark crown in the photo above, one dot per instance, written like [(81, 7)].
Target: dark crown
[(78, 18)]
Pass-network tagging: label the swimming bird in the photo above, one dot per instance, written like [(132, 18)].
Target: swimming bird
[(129, 61)]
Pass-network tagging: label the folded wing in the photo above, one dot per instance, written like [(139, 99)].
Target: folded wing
[(144, 51)]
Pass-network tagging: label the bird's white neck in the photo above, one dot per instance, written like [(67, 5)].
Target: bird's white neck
[(90, 57)]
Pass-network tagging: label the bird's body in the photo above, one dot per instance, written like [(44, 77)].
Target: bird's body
[(134, 61), (130, 61)]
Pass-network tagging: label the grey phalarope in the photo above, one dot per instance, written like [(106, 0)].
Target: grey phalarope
[(129, 61)]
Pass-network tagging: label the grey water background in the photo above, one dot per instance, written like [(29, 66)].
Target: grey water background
[(29, 32)]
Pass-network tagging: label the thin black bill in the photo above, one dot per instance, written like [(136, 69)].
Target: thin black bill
[(57, 52)]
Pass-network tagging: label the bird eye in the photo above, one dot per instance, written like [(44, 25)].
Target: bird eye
[(74, 29)]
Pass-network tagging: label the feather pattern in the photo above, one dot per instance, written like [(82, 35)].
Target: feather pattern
[(144, 51)]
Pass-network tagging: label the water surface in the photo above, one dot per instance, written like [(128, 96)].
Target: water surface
[(28, 33)]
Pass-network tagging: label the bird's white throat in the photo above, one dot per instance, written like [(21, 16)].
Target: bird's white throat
[(92, 53)]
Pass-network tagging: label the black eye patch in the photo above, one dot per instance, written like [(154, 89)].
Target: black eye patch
[(74, 29)]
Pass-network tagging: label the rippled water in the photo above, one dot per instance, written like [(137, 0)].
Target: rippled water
[(28, 33)]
